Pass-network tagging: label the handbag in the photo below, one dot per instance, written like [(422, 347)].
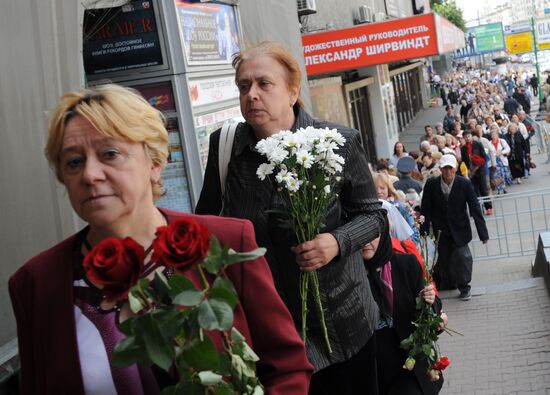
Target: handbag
[(496, 182)]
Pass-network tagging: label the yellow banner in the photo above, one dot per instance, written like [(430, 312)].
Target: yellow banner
[(519, 43)]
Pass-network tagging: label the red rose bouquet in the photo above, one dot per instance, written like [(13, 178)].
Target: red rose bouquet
[(172, 315), (422, 343)]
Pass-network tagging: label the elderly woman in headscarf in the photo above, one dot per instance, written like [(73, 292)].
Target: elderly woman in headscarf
[(396, 281)]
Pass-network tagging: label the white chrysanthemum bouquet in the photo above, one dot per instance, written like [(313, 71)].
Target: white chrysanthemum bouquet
[(305, 168)]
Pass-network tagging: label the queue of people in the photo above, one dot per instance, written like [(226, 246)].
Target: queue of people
[(108, 146)]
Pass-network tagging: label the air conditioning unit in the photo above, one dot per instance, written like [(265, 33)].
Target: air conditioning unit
[(306, 7), (365, 14)]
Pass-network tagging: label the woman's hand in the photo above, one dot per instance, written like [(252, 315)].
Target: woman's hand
[(428, 293), (316, 253)]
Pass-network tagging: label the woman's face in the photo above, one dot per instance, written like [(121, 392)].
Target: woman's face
[(266, 101), (369, 249), (398, 148), (382, 190), (109, 182), (427, 161)]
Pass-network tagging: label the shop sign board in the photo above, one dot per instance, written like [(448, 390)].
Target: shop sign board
[(542, 29), (483, 39), (370, 44), (121, 39), (209, 32), (212, 90), (519, 43)]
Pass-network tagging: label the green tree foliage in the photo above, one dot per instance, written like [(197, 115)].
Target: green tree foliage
[(449, 11)]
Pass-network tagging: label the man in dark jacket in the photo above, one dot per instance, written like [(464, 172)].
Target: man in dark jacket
[(511, 106), (445, 204), (405, 166), (521, 98)]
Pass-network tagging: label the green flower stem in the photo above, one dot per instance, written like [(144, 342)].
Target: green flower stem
[(304, 288), (205, 282), (317, 298), (451, 331), (144, 298)]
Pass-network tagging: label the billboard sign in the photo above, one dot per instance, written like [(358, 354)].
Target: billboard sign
[(519, 43), (209, 31), (483, 39), (370, 44), (121, 39), (542, 29)]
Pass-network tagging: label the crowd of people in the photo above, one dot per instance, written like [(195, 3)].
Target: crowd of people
[(484, 138), (108, 146)]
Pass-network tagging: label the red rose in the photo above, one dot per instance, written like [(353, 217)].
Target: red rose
[(115, 265), (442, 363), (181, 244)]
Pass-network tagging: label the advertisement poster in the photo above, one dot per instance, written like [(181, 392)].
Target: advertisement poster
[(519, 43), (210, 32), (542, 29), (121, 38), (482, 39), (370, 44), (212, 90), (206, 124), (174, 176)]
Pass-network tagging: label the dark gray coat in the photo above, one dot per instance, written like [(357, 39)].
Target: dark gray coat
[(354, 219)]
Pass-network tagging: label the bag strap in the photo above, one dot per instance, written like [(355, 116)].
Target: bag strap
[(227, 135)]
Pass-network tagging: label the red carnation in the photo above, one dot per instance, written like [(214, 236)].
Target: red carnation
[(115, 265), (181, 244)]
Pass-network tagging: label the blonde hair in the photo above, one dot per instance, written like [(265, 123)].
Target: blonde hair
[(279, 53), (384, 179), (114, 111)]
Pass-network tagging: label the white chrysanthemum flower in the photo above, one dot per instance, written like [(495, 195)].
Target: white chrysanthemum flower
[(304, 158), (326, 145), (267, 145), (264, 170), (293, 141), (282, 175), (277, 155), (327, 189), (338, 138), (293, 184), (282, 135)]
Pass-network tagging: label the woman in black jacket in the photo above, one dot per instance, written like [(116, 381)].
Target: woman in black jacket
[(395, 285)]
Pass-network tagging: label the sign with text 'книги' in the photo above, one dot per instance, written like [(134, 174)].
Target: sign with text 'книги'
[(370, 44)]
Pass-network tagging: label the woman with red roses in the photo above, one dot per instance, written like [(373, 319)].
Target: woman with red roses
[(395, 284), (108, 146)]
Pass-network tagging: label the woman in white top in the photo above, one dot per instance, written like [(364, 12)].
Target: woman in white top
[(502, 175)]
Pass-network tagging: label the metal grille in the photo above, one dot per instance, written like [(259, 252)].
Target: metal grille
[(514, 227)]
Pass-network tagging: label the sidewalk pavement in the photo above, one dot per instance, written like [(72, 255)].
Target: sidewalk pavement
[(506, 325)]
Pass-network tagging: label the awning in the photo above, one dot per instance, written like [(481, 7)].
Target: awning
[(378, 43)]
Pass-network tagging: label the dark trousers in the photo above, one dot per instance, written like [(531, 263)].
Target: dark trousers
[(356, 376), (454, 265), (481, 186)]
